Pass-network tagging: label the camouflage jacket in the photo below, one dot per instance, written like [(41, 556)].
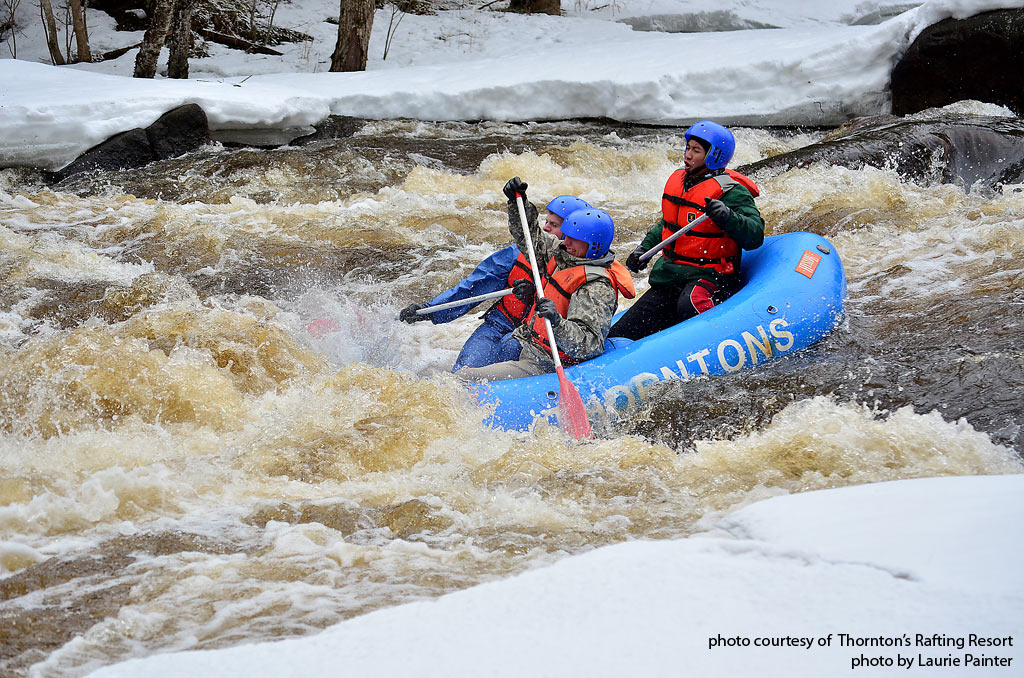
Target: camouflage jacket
[(582, 333)]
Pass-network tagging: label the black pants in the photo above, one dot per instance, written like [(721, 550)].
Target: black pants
[(662, 307)]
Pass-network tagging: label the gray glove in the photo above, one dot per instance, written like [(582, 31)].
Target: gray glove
[(546, 309)]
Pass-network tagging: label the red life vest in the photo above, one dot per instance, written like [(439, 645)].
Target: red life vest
[(559, 288), (706, 245), (515, 310)]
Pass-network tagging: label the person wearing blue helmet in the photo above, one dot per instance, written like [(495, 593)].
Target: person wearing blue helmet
[(582, 283), (699, 269), (488, 343)]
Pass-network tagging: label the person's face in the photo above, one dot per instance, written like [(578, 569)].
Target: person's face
[(693, 158), (553, 225), (577, 248)]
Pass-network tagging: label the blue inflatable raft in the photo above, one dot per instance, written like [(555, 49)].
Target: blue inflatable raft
[(793, 296)]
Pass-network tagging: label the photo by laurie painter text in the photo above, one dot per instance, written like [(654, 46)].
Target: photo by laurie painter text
[(904, 651)]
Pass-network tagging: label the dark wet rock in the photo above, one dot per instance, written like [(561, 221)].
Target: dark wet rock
[(174, 133), (123, 150), (259, 137), (935, 147), (980, 57), (179, 131), (332, 127)]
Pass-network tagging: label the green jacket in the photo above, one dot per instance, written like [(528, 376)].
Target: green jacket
[(745, 226)]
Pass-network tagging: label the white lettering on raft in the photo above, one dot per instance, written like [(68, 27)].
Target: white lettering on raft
[(732, 356), (773, 327)]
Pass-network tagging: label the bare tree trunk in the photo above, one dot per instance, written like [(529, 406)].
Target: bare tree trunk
[(536, 6), (81, 30), (153, 41), (355, 23), (181, 39), (50, 27), (7, 23)]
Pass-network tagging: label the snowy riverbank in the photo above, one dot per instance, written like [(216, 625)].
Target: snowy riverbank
[(820, 72), (870, 579)]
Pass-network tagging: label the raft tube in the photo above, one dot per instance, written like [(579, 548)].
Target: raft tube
[(792, 297)]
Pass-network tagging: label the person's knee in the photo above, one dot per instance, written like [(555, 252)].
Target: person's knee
[(468, 373), (696, 298), (492, 372), (612, 343), (509, 349), (476, 355)]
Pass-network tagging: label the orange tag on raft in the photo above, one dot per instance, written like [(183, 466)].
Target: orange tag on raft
[(808, 263)]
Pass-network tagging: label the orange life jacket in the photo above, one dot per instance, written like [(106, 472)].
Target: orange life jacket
[(559, 288), (706, 245), (515, 310)]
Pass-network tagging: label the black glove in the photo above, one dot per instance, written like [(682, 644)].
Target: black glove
[(515, 185), (633, 262), (546, 309), (717, 211), (409, 315), (525, 291)]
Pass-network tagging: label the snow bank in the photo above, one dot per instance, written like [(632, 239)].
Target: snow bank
[(798, 585), (575, 68)]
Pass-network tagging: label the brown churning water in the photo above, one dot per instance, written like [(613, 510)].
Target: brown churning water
[(185, 467)]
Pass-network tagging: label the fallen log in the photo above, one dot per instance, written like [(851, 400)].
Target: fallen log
[(237, 42), (115, 53)]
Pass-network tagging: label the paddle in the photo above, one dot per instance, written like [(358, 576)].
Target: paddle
[(321, 327), (668, 241), (572, 416), (324, 326), (463, 302)]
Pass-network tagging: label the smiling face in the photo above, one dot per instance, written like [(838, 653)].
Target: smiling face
[(553, 225), (577, 248), (693, 158)]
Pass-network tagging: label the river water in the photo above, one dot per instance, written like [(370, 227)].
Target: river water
[(184, 466)]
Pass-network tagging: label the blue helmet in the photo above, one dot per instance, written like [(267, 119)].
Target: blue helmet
[(564, 205), (594, 227), (721, 142)]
